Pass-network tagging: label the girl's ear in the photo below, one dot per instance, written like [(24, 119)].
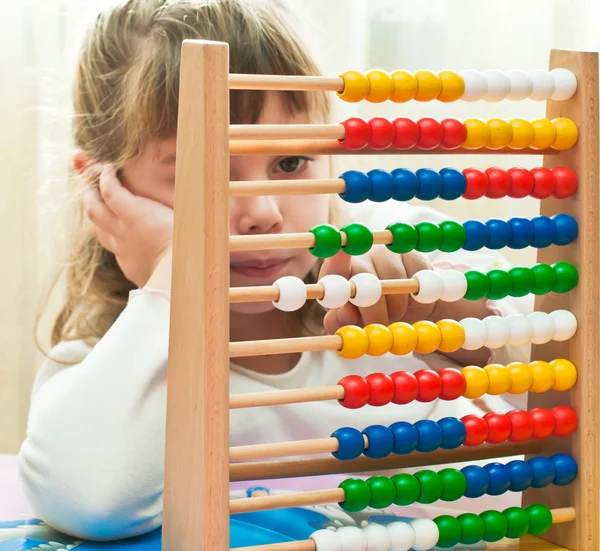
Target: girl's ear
[(82, 160)]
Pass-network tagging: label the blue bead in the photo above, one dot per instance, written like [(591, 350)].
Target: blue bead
[(566, 229), (500, 233), (351, 443), (381, 441), (543, 471), (477, 235), (544, 232), (521, 475), (430, 184), (566, 469), (406, 437), (358, 186), (383, 185), (406, 184), (453, 432), (478, 480), (430, 435), (454, 184), (499, 478), (523, 233)]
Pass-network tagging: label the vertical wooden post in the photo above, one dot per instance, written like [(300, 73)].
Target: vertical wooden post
[(196, 491), (582, 350)]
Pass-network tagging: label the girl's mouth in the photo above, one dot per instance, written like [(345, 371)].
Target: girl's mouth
[(259, 268)]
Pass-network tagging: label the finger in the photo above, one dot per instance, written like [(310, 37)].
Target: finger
[(376, 313), (99, 214), (118, 199), (339, 264), (107, 240), (390, 266), (338, 317)]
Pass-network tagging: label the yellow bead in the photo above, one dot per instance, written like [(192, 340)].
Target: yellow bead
[(500, 133), (566, 134), (355, 342), (521, 377), (522, 134), (565, 373), (381, 339), (382, 86), (356, 86), (405, 338), (453, 86), (453, 335), (430, 85), (499, 378), (478, 134), (545, 134), (405, 86), (543, 376), (430, 337), (477, 381)]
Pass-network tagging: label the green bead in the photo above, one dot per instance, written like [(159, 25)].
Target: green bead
[(473, 528), (328, 241), (455, 484), (405, 238), (383, 491), (518, 522), (408, 489), (453, 236), (540, 519), (545, 279), (431, 486), (357, 495), (478, 285), (523, 281), (566, 277), (500, 284), (359, 239), (496, 525), (430, 237), (450, 531)]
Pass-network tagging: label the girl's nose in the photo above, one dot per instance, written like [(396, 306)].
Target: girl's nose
[(258, 215)]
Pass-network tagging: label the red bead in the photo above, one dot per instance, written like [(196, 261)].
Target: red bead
[(500, 427), (407, 133), (521, 425), (477, 430), (521, 183), (565, 419), (477, 183), (358, 134), (357, 392), (455, 134), (430, 385), (383, 133), (543, 423), (500, 183), (382, 389), (432, 133), (453, 383), (566, 182), (544, 183), (407, 387)]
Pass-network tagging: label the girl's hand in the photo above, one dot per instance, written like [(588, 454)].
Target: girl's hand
[(138, 231)]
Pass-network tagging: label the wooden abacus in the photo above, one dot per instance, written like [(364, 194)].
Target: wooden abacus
[(198, 458)]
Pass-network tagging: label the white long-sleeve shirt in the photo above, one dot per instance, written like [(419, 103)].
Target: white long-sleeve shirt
[(92, 461)]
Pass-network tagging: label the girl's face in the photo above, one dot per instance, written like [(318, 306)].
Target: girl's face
[(152, 175)]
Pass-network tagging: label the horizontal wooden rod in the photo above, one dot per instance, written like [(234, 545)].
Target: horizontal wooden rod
[(246, 349), (298, 499), (286, 187), (291, 396), (286, 131), (291, 83)]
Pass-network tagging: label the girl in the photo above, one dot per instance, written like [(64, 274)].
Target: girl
[(92, 462)]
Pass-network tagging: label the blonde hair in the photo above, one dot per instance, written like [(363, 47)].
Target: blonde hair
[(126, 93)]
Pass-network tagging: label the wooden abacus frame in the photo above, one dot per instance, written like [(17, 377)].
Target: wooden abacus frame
[(197, 468)]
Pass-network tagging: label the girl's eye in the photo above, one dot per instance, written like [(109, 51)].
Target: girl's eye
[(292, 164)]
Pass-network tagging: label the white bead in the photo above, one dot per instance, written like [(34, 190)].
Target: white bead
[(378, 537), (543, 327), (368, 289), (476, 333), (565, 84), (336, 291), (431, 286), (566, 324), (427, 534), (521, 85), (292, 293), (498, 331), (475, 85), (352, 539), (326, 540), (402, 536), (543, 85), (520, 329), (498, 85), (455, 285)]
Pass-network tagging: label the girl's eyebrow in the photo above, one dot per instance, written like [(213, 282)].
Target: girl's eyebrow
[(168, 160)]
